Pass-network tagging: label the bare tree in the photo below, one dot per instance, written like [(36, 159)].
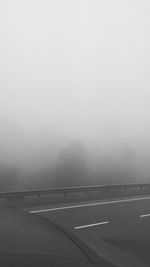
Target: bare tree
[(73, 165)]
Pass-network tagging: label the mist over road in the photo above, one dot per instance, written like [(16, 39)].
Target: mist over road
[(75, 72)]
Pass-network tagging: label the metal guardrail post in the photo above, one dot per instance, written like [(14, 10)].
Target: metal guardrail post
[(88, 193)]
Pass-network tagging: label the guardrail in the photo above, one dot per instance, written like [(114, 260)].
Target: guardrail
[(77, 189)]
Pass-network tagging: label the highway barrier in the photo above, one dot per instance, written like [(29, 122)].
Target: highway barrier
[(78, 189)]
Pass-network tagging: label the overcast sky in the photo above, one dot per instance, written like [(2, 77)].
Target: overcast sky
[(74, 69)]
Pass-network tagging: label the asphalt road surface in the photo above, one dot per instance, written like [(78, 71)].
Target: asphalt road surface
[(125, 223)]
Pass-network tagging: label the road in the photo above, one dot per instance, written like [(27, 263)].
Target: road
[(123, 222)]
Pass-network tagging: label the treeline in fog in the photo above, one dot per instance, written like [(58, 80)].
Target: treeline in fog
[(74, 70), (9, 178), (75, 167)]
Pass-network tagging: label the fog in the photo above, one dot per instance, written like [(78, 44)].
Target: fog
[(75, 71)]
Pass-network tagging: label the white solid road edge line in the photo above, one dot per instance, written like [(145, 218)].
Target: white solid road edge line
[(90, 204), (89, 225), (144, 215)]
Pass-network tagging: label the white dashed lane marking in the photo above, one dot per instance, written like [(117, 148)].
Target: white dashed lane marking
[(90, 225), (144, 215)]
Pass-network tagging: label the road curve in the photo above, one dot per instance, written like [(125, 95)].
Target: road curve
[(123, 222)]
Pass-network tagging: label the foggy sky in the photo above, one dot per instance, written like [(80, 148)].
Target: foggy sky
[(73, 70)]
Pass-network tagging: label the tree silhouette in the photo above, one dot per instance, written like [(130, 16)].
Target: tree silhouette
[(73, 165)]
